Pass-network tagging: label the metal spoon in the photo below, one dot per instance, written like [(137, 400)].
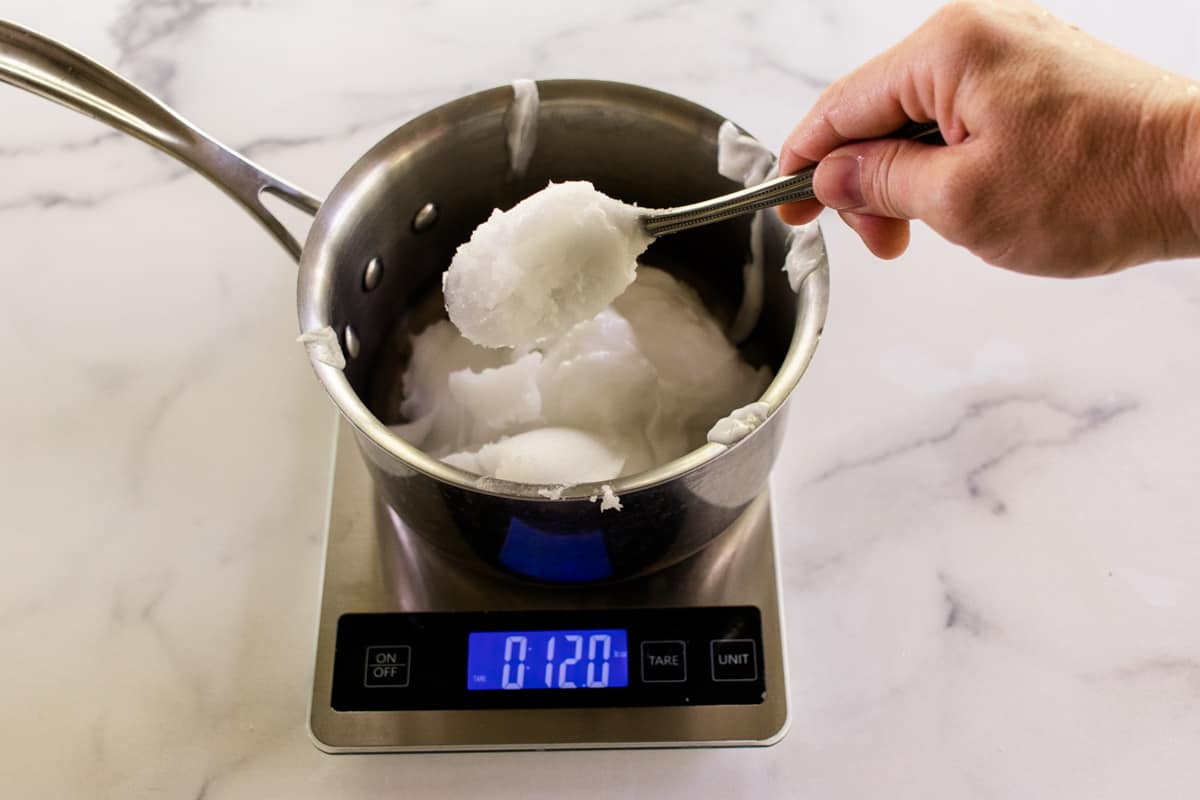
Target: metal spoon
[(775, 192)]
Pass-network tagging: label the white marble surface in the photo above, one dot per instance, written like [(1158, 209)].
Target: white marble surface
[(990, 514)]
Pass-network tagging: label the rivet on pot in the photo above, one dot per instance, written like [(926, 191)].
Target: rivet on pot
[(425, 217), (352, 343), (373, 274)]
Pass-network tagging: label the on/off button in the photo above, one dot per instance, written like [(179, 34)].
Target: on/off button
[(387, 666)]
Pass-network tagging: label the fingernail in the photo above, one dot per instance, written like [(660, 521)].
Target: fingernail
[(839, 182)]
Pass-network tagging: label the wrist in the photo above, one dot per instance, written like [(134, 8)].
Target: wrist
[(1183, 149), (1189, 189)]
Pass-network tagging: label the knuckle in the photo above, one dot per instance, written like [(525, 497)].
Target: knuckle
[(879, 185), (970, 32), (832, 92), (830, 102), (961, 15), (959, 203)]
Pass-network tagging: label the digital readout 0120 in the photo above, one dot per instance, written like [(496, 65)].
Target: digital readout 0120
[(585, 659)]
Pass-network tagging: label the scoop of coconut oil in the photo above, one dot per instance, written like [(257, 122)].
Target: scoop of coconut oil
[(553, 260)]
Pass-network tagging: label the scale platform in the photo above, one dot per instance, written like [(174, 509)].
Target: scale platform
[(419, 653)]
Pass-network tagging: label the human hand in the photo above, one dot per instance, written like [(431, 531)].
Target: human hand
[(1064, 156)]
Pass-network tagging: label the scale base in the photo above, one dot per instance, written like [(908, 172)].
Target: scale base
[(374, 566)]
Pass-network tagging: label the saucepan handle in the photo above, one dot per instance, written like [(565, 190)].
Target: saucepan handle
[(45, 67)]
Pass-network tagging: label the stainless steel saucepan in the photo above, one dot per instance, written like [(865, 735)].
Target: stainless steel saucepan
[(370, 270)]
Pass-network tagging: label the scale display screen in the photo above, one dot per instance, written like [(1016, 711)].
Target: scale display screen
[(560, 659)]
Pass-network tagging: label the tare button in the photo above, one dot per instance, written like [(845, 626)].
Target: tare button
[(387, 666), (734, 660), (664, 662)]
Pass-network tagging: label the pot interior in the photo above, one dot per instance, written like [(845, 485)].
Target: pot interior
[(633, 143)]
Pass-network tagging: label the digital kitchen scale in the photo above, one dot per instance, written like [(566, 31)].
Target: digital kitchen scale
[(416, 652)]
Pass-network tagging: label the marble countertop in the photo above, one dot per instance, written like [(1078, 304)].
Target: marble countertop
[(989, 513)]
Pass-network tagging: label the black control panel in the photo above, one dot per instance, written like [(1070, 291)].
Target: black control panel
[(549, 659)]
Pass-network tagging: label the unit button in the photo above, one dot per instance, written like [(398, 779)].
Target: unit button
[(387, 666), (734, 660), (664, 662)]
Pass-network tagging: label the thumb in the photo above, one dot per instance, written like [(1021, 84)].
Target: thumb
[(883, 178)]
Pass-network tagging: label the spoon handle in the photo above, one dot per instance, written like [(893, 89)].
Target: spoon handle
[(775, 192)]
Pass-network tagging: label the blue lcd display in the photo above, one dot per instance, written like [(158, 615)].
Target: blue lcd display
[(591, 659)]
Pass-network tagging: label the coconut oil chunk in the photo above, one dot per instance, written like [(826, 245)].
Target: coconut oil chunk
[(740, 423), (531, 273), (635, 386), (544, 455)]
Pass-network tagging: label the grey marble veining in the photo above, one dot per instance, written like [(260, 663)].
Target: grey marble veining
[(987, 495)]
